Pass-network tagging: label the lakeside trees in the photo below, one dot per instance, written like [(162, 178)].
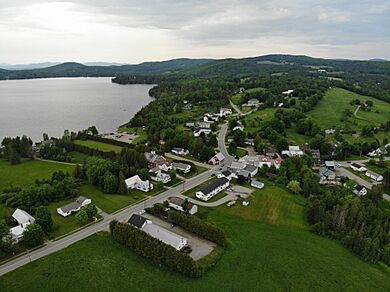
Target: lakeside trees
[(17, 148)]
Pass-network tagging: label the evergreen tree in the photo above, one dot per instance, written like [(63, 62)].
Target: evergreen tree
[(33, 235), (122, 189)]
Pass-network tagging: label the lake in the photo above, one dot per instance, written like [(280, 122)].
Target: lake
[(35, 106)]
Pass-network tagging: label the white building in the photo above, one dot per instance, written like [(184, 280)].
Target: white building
[(257, 184), (177, 204), (224, 112), (227, 174), (239, 126), (360, 190), (251, 169), (199, 131), (373, 175), (76, 206), (135, 182), (236, 166), (250, 159), (358, 167), (293, 151), (288, 92), (183, 167), (212, 189), (180, 151), (23, 219), (158, 175), (253, 101), (218, 158)]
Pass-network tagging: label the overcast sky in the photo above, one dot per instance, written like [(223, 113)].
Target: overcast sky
[(135, 31)]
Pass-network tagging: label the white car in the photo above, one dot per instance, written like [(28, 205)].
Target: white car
[(141, 212), (338, 164)]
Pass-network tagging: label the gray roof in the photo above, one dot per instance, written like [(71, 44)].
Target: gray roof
[(74, 205), (250, 168), (226, 173), (359, 188), (356, 165), (213, 185), (137, 220), (244, 173), (164, 235)]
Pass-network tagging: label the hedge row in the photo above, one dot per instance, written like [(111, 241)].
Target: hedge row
[(198, 226), (94, 152), (154, 249)]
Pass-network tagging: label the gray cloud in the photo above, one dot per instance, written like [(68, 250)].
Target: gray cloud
[(194, 26)]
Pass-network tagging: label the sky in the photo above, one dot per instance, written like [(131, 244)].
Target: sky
[(128, 31)]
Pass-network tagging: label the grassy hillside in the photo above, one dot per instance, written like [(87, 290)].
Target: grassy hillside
[(270, 248), (28, 171), (329, 112)]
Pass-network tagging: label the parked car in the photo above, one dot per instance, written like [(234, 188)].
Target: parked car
[(141, 212), (186, 249), (173, 225), (338, 164)]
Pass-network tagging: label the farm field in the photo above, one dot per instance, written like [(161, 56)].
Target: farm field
[(28, 171), (99, 145), (268, 250), (329, 111)]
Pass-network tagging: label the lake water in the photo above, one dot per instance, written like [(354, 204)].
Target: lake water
[(36, 106)]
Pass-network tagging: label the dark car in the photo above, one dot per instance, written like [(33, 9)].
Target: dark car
[(186, 249), (173, 225)]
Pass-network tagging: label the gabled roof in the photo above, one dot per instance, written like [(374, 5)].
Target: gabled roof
[(213, 185), (356, 165), (22, 216), (166, 236), (244, 173), (226, 173), (137, 220), (74, 205), (359, 188), (250, 168)]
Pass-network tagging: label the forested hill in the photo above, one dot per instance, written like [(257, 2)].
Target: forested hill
[(71, 69)]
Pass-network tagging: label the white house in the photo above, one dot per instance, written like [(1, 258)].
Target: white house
[(330, 131), (199, 131), (67, 210), (257, 184), (138, 221), (212, 189), (135, 182), (211, 117), (251, 169), (288, 92), (239, 126), (159, 161), (158, 175), (373, 175), (224, 112), (177, 204), (183, 167), (360, 190), (250, 159), (23, 219), (236, 166), (180, 151), (218, 158), (227, 174), (203, 125), (253, 101), (358, 167), (293, 151)]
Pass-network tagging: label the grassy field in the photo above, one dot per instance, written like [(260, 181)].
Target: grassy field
[(78, 157), (28, 171), (329, 111), (99, 145), (110, 203), (270, 248), (241, 152), (252, 121)]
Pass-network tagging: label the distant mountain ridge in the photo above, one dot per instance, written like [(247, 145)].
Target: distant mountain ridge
[(207, 68)]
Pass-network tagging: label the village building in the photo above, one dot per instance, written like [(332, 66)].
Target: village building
[(257, 184), (182, 167), (212, 189), (243, 175), (239, 126), (224, 112), (230, 139), (250, 159), (270, 152), (177, 204), (375, 176), (330, 164), (288, 93), (203, 125), (199, 131), (251, 169), (293, 151), (135, 182), (218, 158), (236, 166), (138, 221), (326, 175), (358, 167), (330, 131), (74, 207), (316, 158), (189, 125), (227, 174), (360, 190), (23, 219), (159, 176), (253, 102), (155, 160), (180, 151), (249, 142), (278, 162)]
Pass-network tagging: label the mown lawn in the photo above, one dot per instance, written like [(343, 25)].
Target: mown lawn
[(28, 171), (99, 145), (78, 157), (270, 248), (110, 203)]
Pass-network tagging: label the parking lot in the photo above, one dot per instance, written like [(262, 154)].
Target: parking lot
[(200, 247), (123, 137)]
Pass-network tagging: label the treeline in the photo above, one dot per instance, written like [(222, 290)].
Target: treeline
[(59, 187), (16, 148), (190, 223), (153, 249), (361, 223)]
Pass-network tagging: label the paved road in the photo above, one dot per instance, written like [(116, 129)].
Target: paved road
[(341, 171), (53, 246), (222, 146)]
